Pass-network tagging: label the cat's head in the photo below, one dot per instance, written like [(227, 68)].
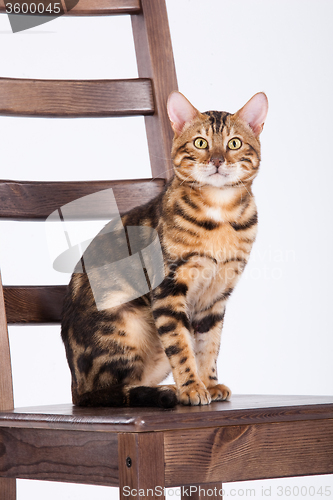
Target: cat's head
[(216, 148)]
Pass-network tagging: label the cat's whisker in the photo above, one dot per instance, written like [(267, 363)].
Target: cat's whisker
[(155, 178), (244, 186), (239, 180), (186, 179)]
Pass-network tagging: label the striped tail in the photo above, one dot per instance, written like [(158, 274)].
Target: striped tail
[(122, 395)]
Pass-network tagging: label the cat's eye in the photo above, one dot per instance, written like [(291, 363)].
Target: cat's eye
[(234, 143), (201, 143)]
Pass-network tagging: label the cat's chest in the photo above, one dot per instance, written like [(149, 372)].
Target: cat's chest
[(226, 242), (219, 262)]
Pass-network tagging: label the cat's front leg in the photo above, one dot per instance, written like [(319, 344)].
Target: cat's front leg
[(173, 328), (207, 334)]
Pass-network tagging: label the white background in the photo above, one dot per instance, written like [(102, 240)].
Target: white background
[(277, 336)]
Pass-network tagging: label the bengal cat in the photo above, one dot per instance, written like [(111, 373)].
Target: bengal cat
[(206, 220)]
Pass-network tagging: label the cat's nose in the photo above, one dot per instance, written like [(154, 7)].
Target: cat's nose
[(217, 160)]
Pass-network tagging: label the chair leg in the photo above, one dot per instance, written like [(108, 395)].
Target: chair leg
[(208, 491), (141, 465), (7, 489)]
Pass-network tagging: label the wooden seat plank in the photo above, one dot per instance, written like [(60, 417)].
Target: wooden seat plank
[(232, 440), (241, 410)]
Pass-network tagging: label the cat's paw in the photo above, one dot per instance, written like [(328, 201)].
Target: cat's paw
[(195, 395), (220, 392)]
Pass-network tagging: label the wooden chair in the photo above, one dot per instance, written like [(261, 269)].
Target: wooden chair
[(250, 437)]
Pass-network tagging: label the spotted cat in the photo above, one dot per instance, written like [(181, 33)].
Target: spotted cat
[(206, 221)]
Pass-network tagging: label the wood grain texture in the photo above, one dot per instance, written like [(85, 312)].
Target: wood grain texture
[(80, 457), (7, 489), (6, 386), (155, 60), (37, 200), (141, 465), (75, 98), (246, 452), (241, 410), (102, 7), (211, 491), (34, 304), (96, 7)]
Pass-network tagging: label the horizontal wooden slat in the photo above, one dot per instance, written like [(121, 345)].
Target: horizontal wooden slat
[(33, 304), (96, 7), (102, 7), (248, 452), (37, 200), (70, 456), (76, 98)]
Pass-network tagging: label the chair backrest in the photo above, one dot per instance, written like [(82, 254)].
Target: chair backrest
[(146, 95)]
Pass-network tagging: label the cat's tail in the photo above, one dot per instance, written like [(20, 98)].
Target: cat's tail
[(122, 395)]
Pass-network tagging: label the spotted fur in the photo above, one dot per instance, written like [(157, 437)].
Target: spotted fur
[(206, 220)]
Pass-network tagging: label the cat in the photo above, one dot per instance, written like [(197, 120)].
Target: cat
[(206, 221)]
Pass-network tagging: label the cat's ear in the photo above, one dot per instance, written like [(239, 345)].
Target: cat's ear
[(180, 111), (254, 112)]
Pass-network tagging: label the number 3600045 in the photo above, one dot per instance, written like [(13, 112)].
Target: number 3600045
[(33, 8)]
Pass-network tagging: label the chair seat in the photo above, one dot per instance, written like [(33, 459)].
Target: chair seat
[(249, 437), (241, 410)]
